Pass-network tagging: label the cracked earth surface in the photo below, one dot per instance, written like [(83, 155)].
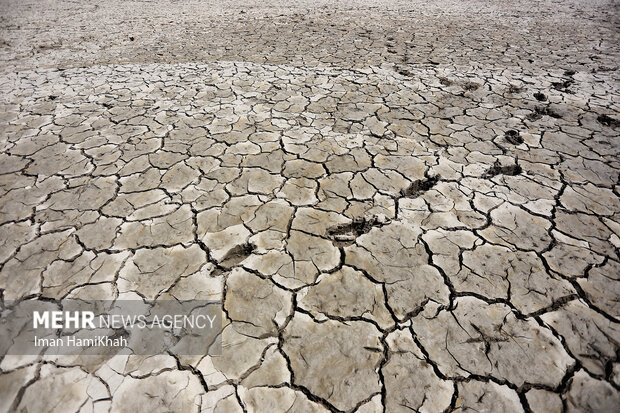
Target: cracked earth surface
[(403, 206)]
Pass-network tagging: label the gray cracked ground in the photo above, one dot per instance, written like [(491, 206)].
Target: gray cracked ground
[(408, 205)]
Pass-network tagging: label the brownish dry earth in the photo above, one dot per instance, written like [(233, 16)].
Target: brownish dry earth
[(402, 205)]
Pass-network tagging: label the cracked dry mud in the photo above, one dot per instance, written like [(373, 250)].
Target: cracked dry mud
[(403, 205)]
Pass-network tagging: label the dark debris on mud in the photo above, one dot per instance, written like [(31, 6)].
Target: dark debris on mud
[(513, 136), (420, 186), (508, 170), (345, 234), (608, 121)]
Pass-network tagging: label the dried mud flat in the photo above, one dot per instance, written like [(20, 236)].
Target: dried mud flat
[(403, 205)]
